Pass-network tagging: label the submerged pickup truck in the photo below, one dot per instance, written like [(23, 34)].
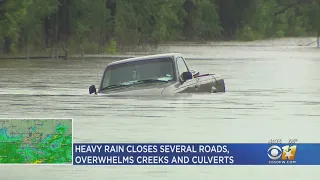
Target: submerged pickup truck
[(159, 74)]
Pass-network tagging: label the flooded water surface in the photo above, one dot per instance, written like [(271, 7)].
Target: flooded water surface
[(273, 91)]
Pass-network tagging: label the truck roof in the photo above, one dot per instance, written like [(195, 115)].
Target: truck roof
[(155, 56)]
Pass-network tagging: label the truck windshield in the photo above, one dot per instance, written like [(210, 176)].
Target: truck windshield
[(161, 69)]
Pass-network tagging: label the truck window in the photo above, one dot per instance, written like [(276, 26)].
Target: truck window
[(182, 67)]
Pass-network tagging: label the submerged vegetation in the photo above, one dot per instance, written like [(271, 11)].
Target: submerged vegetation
[(107, 25)]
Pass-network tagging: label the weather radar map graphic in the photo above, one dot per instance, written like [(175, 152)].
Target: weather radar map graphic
[(35, 141)]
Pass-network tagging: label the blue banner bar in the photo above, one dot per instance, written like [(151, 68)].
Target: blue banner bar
[(196, 154)]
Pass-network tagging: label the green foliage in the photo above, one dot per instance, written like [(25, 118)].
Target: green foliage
[(112, 47), (246, 34), (279, 34), (207, 20), (313, 13), (13, 14), (89, 20), (107, 25), (90, 47), (168, 18), (153, 22)]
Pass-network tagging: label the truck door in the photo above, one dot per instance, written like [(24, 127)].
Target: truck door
[(190, 85)]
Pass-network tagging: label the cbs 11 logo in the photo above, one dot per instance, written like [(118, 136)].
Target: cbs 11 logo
[(285, 153)]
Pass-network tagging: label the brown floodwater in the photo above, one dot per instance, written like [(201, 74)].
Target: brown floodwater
[(273, 91)]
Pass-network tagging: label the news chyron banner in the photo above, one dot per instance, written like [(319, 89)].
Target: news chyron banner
[(196, 154), (36, 141), (49, 141)]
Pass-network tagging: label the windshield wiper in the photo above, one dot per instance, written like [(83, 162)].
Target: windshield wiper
[(151, 80), (133, 83), (115, 86)]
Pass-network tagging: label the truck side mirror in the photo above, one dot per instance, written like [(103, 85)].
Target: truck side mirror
[(92, 89), (186, 76)]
